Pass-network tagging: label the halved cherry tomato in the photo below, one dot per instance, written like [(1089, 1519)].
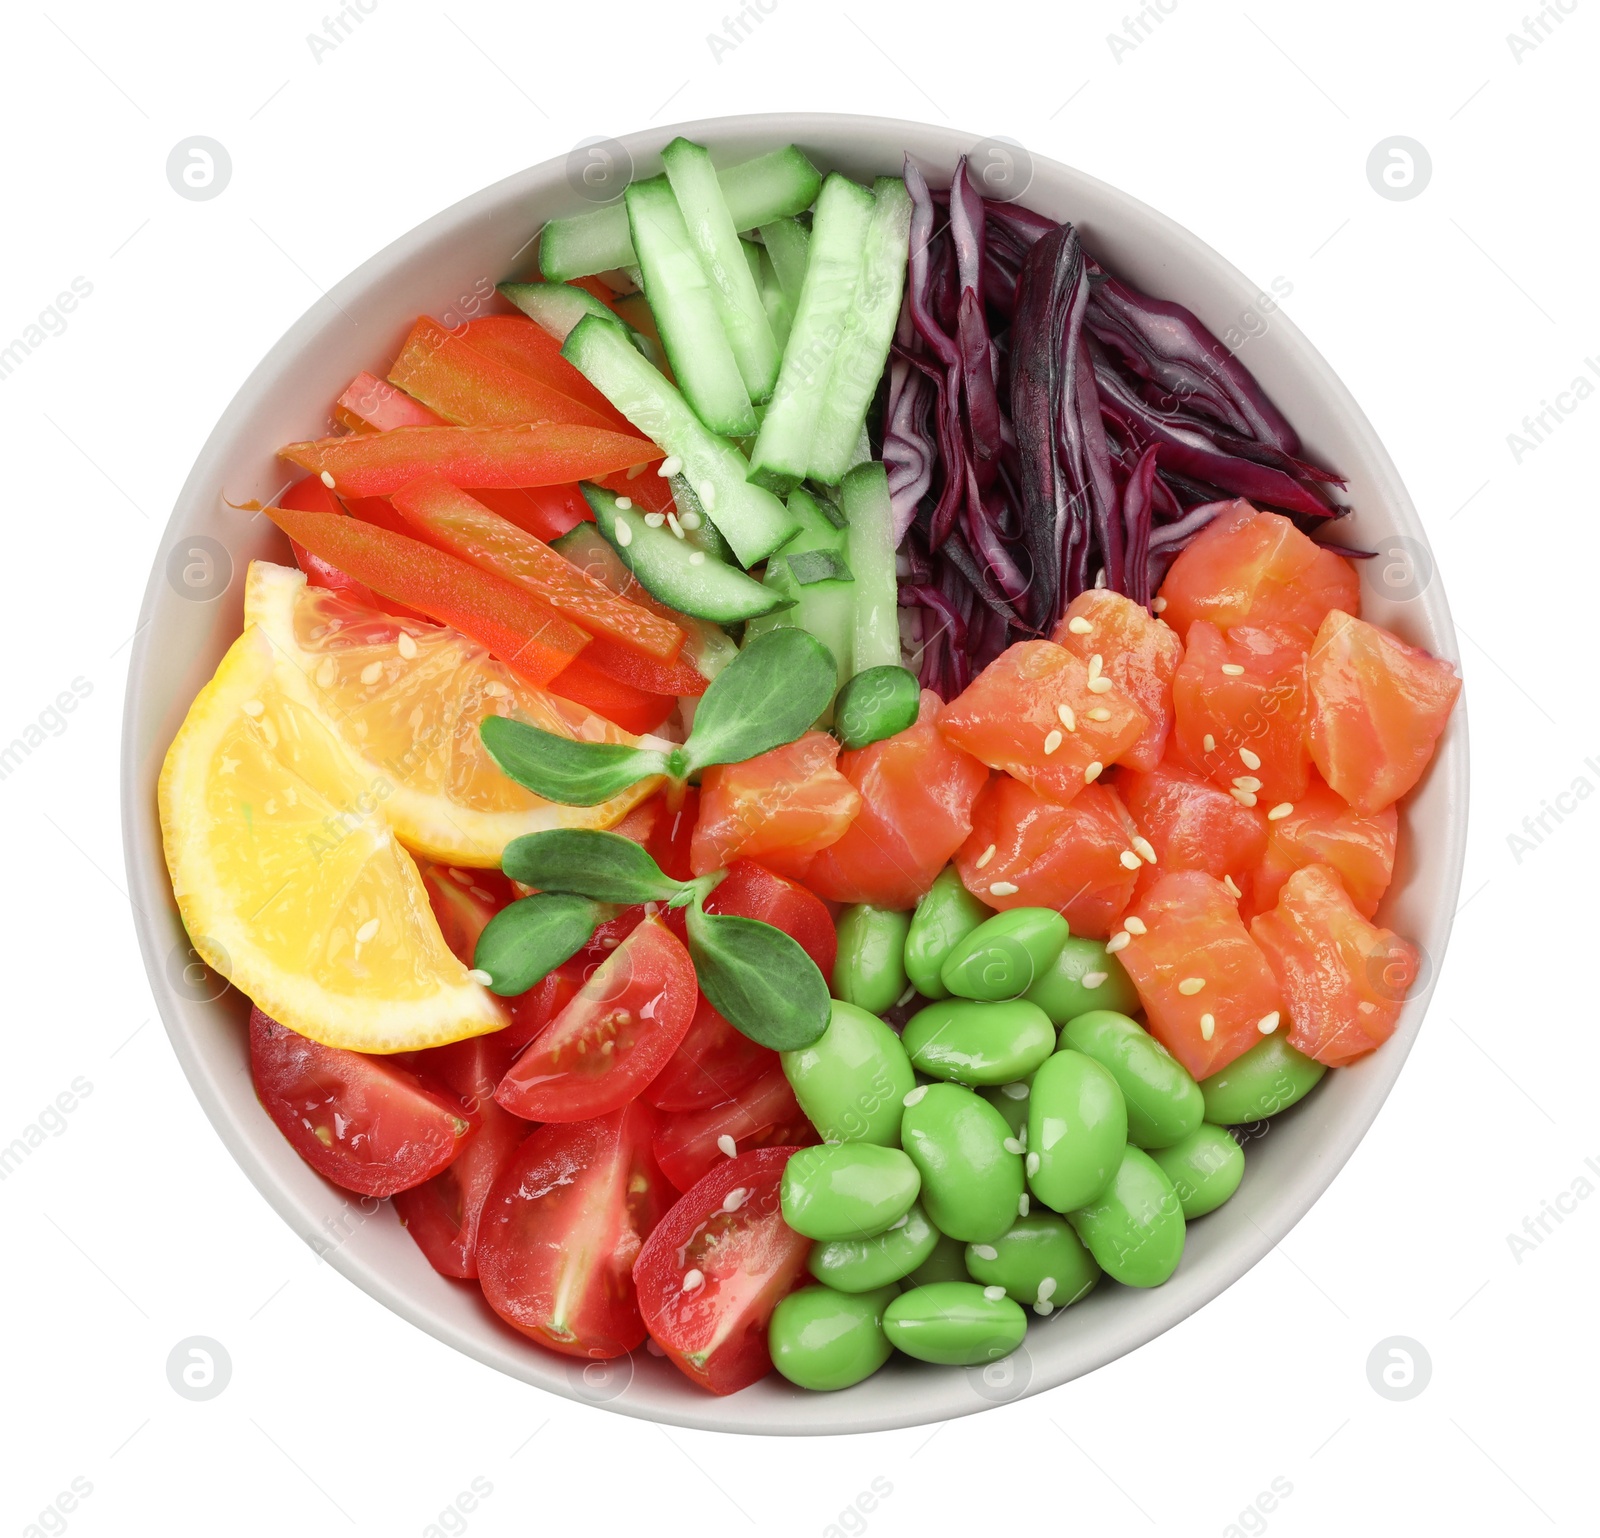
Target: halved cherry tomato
[(463, 901), (523, 344), (546, 512), (563, 1227), (1323, 829), (442, 1214), (762, 1114), (716, 1266), (370, 404), (623, 704), (917, 790), (1192, 825), (532, 1011), (1256, 568), (714, 1062), (1343, 979), (780, 808), (1377, 709), (1205, 985), (368, 1124), (1033, 713), (666, 832), (1029, 852), (613, 1038), (1139, 653), (1240, 702)]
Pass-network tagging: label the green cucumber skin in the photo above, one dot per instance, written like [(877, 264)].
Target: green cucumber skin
[(870, 552), (717, 246), (782, 452), (777, 185), (863, 350), (787, 242), (752, 520), (660, 560), (780, 313), (686, 310), (557, 307)]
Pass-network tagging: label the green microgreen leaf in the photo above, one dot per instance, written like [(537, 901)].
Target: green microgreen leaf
[(559, 769), (811, 566), (758, 978), (532, 937), (767, 696), (605, 866)]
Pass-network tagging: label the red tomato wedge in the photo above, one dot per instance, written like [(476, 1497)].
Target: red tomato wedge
[(751, 891), (1377, 709), (714, 1062), (1139, 655), (562, 1229), (1206, 987), (1191, 825), (374, 405), (664, 830), (1046, 716), (452, 521), (442, 1214), (523, 344), (761, 1115), (633, 709), (716, 1266), (1323, 829), (474, 389), (532, 1011), (1248, 567), (368, 1124), (546, 512), (1035, 853), (614, 1036), (523, 634), (917, 790), (463, 901), (526, 454), (1240, 702), (1343, 978), (780, 808)]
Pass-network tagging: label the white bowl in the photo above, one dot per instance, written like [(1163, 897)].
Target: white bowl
[(183, 632)]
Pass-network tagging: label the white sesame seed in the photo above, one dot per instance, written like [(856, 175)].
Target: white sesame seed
[(735, 1199), (1243, 797), (1129, 860), (985, 857), (1078, 625), (1191, 985), (1096, 664), (1248, 759), (1022, 1205), (909, 993), (674, 525), (1002, 889), (326, 479), (697, 558), (1011, 1145), (1099, 713), (1134, 925), (1051, 742), (252, 707), (1065, 716), (669, 466), (1100, 685), (1280, 811), (1158, 605), (1117, 942), (1016, 1090), (372, 672), (624, 503), (1208, 1027), (1031, 1164), (914, 1095), (985, 1252), (1232, 886), (1093, 772), (994, 1294), (693, 1278), (366, 931), (460, 876), (480, 977), (624, 534), (726, 1145), (1044, 1310), (1267, 1024), (654, 520), (1147, 850), (707, 495), (1093, 979), (1047, 1289), (1209, 743), (481, 894), (1246, 782), (690, 519), (1233, 669)]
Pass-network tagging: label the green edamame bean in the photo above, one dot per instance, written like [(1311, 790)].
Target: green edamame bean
[(971, 1181), (1205, 1169), (1267, 1079), (1011, 1101), (975, 1043), (1039, 1261), (822, 1339), (1135, 1230), (1164, 1103), (847, 1190), (946, 1262), (1004, 955), (1082, 977), (860, 1265), (947, 914), (853, 1079), (957, 1324), (1077, 1129), (871, 968), (875, 704)]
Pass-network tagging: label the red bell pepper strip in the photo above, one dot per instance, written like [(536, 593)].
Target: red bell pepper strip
[(534, 454), (472, 389), (634, 710), (454, 522), (370, 403), (311, 496), (627, 665), (531, 640), (546, 512), (523, 344)]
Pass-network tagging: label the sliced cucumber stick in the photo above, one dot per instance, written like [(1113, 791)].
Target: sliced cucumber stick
[(752, 520), (717, 246), (687, 310), (786, 241), (558, 307), (773, 186), (869, 545), (780, 313), (675, 571)]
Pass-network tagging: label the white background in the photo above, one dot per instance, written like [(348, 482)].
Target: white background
[(1451, 316)]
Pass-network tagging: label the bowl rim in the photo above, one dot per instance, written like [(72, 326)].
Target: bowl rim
[(921, 1403)]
